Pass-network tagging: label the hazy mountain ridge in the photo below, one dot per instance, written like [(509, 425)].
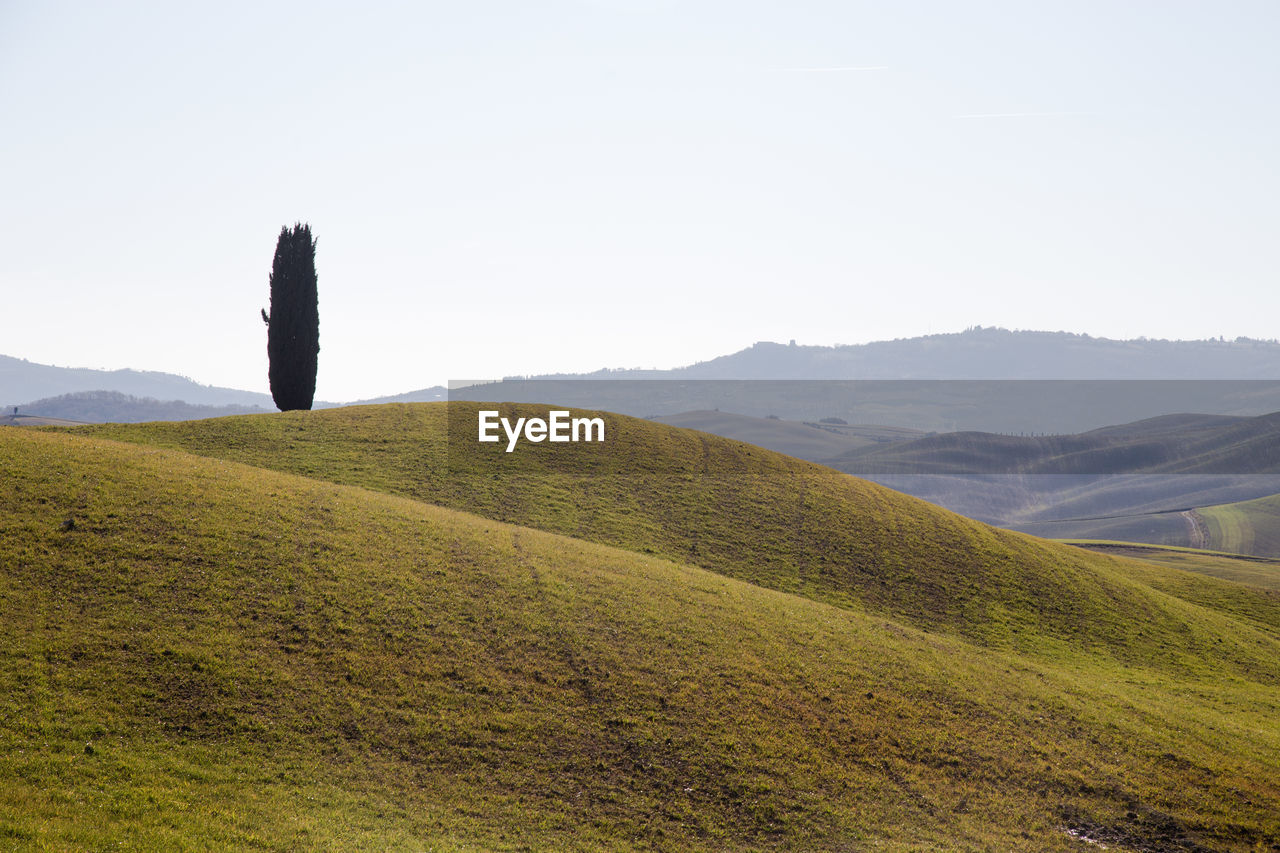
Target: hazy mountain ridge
[(976, 353), (141, 394), (994, 353), (983, 353), (22, 381), (1017, 406), (115, 407), (434, 394)]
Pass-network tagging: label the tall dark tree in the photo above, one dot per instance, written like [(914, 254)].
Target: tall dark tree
[(293, 326)]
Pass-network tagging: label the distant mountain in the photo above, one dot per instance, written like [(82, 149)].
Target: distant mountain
[(22, 381), (985, 353), (434, 394), (974, 354), (114, 407)]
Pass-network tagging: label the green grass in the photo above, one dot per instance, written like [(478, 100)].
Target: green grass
[(1247, 527), (261, 660), (730, 507), (1261, 572)]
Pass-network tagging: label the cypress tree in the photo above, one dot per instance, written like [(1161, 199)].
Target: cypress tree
[(293, 326)]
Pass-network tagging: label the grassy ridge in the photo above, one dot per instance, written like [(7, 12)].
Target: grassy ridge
[(738, 510), (221, 656)]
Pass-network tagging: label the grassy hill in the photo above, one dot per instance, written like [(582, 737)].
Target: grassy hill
[(1246, 527), (1173, 444), (723, 505), (1263, 572), (215, 655), (1131, 482), (35, 420)]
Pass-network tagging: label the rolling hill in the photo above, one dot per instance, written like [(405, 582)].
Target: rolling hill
[(719, 504), (272, 632), (1245, 527), (988, 379), (1137, 482), (1263, 572), (1029, 407), (804, 440), (1171, 444), (35, 420), (976, 354)]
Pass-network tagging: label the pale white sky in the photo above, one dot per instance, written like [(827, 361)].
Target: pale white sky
[(523, 187)]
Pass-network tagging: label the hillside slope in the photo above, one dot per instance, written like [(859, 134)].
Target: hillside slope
[(810, 440), (730, 507), (1246, 527), (210, 655), (1263, 572), (790, 437), (1174, 444), (1133, 481)]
